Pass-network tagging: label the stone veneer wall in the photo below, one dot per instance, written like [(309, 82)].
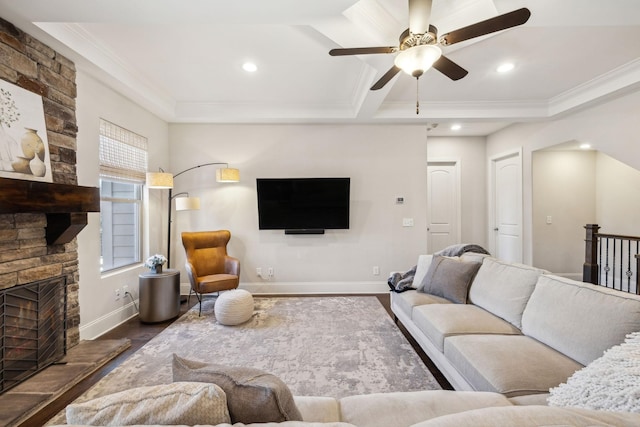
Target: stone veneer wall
[(24, 254)]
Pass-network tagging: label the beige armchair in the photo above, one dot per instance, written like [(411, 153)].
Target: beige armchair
[(208, 266)]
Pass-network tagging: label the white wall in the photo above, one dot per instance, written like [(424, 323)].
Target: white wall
[(99, 311), (618, 193), (564, 188), (611, 128), (383, 162)]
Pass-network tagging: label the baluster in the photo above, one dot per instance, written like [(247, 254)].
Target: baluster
[(629, 273), (599, 261), (606, 266), (637, 270)]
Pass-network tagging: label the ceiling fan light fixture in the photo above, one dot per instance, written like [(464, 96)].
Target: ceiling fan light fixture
[(418, 59)]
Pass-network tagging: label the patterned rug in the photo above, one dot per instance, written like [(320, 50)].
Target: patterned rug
[(319, 346)]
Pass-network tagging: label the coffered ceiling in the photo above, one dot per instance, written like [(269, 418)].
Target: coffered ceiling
[(182, 59)]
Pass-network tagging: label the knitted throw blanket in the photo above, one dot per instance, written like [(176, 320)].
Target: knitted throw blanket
[(610, 383)]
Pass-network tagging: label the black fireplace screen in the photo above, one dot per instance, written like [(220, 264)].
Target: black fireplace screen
[(32, 322)]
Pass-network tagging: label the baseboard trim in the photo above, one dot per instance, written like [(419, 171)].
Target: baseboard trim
[(285, 288), (104, 324)]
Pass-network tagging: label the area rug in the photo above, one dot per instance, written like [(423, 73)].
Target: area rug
[(319, 346)]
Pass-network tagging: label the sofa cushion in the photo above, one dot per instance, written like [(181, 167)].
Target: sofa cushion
[(532, 416), (406, 301), (513, 365), (252, 395), (421, 269), (474, 257), (579, 319), (438, 321), (450, 278), (610, 383), (284, 424), (320, 409), (504, 288), (187, 403), (403, 409)]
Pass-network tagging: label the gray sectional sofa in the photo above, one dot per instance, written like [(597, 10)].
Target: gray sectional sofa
[(514, 333), (521, 331)]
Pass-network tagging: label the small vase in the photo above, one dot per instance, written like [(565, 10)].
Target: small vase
[(37, 166), (32, 144), (156, 269)]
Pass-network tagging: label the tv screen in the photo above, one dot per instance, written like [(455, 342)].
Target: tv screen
[(303, 204)]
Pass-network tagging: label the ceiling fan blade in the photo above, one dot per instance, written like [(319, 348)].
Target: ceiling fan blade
[(449, 68), (419, 16), (385, 79), (491, 25), (362, 51)]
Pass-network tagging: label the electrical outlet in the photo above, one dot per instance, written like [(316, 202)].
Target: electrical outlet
[(117, 294), (259, 271), (270, 272), (376, 270), (125, 289)]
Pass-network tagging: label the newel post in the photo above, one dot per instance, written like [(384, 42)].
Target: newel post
[(590, 267)]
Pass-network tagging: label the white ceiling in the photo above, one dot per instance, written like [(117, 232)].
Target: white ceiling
[(181, 59)]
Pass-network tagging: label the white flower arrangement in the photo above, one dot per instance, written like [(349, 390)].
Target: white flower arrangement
[(155, 260)]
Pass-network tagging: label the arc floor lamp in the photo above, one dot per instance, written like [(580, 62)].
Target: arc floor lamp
[(164, 179)]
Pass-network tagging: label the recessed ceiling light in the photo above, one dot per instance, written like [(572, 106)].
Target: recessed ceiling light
[(249, 67), (505, 68), (456, 127), (585, 146)]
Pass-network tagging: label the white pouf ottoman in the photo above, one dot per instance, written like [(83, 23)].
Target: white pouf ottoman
[(233, 307)]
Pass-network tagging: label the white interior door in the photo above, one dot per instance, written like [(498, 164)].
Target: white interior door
[(443, 205), (507, 208)]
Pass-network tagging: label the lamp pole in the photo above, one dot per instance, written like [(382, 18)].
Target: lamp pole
[(171, 197)]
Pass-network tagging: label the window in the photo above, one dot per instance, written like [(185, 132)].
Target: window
[(123, 164)]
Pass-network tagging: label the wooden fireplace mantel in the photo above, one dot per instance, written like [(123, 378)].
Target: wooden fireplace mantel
[(65, 205)]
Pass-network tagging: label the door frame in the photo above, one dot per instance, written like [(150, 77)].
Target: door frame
[(457, 165), (492, 198)]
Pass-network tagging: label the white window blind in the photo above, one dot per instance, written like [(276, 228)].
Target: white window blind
[(123, 154)]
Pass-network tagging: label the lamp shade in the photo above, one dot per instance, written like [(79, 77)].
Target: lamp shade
[(159, 180), (187, 203), (418, 59), (227, 175)]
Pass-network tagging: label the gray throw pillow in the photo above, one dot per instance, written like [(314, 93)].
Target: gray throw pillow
[(253, 396), (449, 278)]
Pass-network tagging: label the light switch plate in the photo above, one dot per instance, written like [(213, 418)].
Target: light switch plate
[(407, 222)]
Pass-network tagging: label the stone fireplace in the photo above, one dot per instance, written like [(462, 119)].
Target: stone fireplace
[(39, 221)]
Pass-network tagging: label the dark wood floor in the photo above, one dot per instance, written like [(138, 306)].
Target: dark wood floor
[(140, 333)]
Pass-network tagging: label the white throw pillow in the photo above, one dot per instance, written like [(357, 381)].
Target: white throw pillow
[(610, 383), (187, 403)]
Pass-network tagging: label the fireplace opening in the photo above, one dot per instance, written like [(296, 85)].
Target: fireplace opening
[(32, 322)]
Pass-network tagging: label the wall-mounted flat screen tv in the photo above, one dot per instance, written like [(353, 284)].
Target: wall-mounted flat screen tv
[(303, 205)]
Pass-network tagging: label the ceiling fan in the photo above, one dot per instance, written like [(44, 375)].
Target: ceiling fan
[(418, 48)]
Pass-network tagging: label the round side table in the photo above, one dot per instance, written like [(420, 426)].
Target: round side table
[(159, 296)]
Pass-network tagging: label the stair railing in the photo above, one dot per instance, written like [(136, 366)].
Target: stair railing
[(611, 260)]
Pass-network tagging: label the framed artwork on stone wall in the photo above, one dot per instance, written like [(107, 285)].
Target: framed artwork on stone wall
[(24, 148)]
